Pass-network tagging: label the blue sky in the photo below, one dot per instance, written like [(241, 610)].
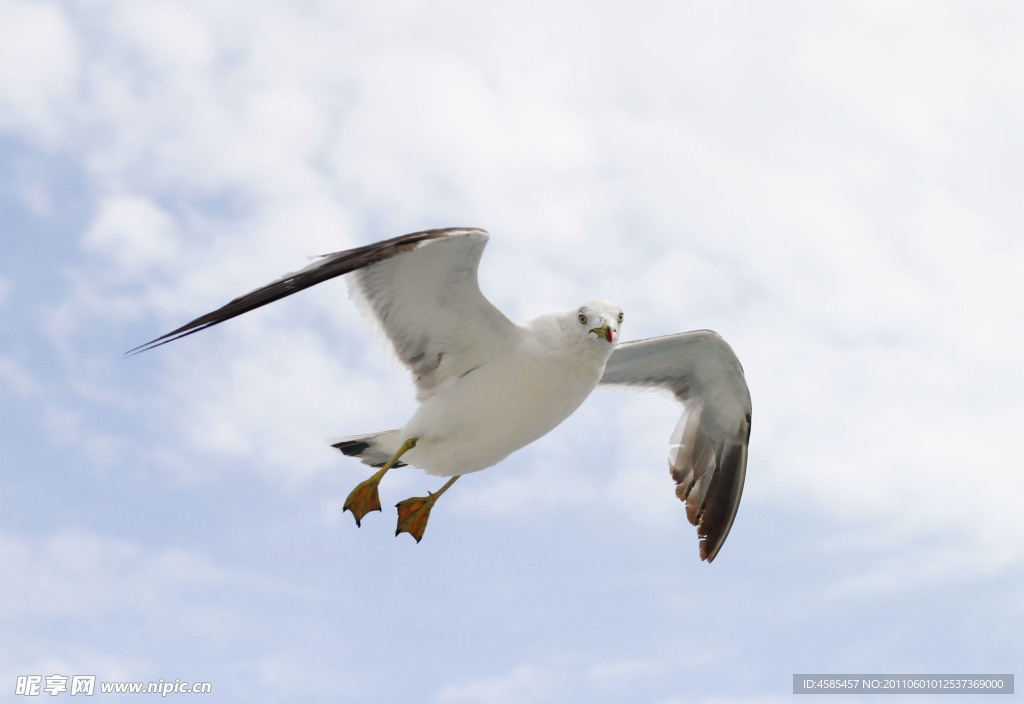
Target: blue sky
[(834, 188)]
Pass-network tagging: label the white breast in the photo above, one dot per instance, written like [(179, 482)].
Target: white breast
[(504, 404)]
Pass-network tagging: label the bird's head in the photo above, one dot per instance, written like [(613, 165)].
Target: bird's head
[(600, 320)]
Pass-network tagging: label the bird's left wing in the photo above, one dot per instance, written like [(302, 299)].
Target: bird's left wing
[(708, 448)]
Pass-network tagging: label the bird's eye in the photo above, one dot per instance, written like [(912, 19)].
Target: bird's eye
[(583, 319), (621, 316)]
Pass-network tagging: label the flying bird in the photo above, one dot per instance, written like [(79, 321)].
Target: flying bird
[(487, 387)]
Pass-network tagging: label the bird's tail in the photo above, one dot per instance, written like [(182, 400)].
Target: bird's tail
[(374, 449)]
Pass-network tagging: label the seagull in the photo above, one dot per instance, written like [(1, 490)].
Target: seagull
[(487, 387)]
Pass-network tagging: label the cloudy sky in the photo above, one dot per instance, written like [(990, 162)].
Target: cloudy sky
[(835, 188)]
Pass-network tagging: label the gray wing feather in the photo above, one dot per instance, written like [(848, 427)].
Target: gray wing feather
[(429, 305), (422, 290), (708, 448)]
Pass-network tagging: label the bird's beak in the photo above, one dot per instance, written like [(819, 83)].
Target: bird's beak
[(606, 331)]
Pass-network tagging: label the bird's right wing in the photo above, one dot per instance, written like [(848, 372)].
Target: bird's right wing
[(708, 448), (422, 290), (429, 305)]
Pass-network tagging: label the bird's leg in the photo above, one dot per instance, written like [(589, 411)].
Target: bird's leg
[(414, 513), (364, 498)]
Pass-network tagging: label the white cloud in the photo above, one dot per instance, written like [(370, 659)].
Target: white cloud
[(82, 602), (524, 684), (171, 37), (33, 657), (80, 578), (38, 67), (17, 378), (915, 568), (132, 233), (560, 678), (622, 673), (37, 199), (267, 393), (79, 575)]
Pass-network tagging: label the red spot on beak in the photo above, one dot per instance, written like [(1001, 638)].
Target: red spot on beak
[(608, 333)]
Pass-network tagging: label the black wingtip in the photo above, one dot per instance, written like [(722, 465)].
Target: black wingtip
[(147, 346), (722, 501), (328, 266), (164, 339)]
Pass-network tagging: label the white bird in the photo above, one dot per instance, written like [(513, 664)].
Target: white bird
[(488, 387)]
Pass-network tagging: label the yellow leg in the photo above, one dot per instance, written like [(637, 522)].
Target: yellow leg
[(414, 513), (364, 498)]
